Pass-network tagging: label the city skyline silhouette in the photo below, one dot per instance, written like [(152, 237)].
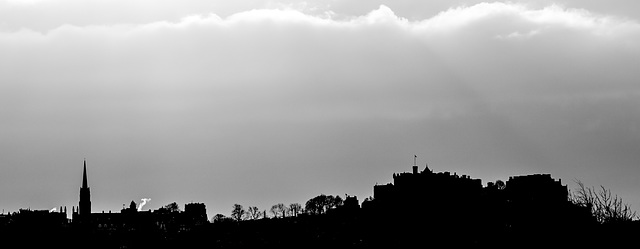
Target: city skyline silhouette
[(243, 105), (447, 207), (412, 183), (266, 102)]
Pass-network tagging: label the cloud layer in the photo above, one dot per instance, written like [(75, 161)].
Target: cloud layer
[(275, 98)]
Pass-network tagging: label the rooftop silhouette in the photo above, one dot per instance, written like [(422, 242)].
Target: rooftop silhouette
[(417, 208)]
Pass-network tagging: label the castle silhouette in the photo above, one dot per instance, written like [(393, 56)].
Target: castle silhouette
[(418, 208), (528, 207)]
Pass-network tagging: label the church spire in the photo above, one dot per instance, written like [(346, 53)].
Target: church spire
[(85, 195), (84, 175)]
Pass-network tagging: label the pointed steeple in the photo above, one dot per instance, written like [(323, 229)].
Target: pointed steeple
[(84, 175), (427, 169), (84, 207)]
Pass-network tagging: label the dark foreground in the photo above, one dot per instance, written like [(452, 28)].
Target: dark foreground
[(409, 228)]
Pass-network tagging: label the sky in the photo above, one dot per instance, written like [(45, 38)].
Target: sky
[(263, 102)]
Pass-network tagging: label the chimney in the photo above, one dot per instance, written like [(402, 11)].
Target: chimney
[(415, 169)]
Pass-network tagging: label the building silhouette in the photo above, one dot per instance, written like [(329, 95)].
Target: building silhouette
[(446, 191), (132, 219), (84, 204), (533, 208), (432, 192), (418, 208)]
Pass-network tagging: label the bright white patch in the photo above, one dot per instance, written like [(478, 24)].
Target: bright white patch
[(143, 202), (462, 16), (518, 35)]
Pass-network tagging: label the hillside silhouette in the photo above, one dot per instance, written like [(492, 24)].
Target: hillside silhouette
[(418, 209)]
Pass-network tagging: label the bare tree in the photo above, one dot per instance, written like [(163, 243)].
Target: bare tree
[(253, 213), (604, 206), (316, 204), (279, 210), (220, 218), (237, 213), (333, 202), (171, 207), (322, 203), (295, 209)]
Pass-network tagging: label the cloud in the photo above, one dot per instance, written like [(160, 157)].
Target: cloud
[(493, 51), (500, 86)]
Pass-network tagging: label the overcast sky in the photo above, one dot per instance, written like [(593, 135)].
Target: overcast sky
[(261, 102)]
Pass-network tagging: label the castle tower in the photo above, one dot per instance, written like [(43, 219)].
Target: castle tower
[(85, 195)]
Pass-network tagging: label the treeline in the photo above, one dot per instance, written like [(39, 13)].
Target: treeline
[(499, 214), (587, 216), (318, 205), (605, 207)]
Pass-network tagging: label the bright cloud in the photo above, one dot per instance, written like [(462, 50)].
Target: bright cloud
[(449, 20)]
